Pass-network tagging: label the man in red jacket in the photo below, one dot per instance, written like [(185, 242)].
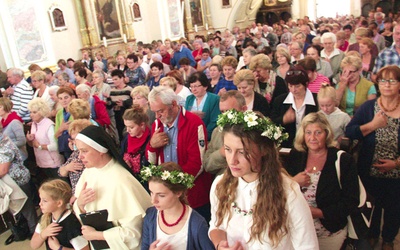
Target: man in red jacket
[(180, 136)]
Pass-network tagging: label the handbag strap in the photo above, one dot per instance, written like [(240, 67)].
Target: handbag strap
[(363, 193), (337, 165)]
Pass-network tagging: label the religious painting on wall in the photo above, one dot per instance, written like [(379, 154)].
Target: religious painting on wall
[(226, 3), (175, 19), (108, 23), (135, 9), (196, 11), (27, 38), (57, 18)]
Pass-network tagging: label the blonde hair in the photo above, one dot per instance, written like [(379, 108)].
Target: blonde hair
[(39, 105), (351, 61), (79, 109), (143, 91), (327, 91), (172, 82), (78, 125), (320, 120), (38, 75), (229, 61), (260, 61), (57, 190), (244, 75), (284, 52)]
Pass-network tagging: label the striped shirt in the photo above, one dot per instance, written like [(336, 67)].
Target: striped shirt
[(23, 94)]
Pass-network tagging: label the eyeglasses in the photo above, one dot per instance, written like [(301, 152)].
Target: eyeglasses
[(294, 72), (390, 81), (195, 86)]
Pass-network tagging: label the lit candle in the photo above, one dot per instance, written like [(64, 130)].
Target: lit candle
[(206, 26), (195, 27), (104, 41), (125, 40)]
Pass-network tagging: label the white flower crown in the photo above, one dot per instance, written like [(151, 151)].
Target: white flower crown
[(252, 121)]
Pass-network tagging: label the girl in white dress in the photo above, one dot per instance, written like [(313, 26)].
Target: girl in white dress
[(254, 204)]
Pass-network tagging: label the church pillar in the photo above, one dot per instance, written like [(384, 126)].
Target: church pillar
[(82, 24), (90, 25), (189, 24), (127, 19), (208, 21)]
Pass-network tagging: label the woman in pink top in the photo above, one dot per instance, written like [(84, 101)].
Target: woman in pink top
[(316, 79)]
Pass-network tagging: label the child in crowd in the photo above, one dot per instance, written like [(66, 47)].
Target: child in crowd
[(336, 118), (58, 228), (229, 65), (171, 223), (204, 63)]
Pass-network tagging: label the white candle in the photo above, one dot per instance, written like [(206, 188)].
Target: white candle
[(206, 26), (125, 40), (104, 41), (195, 27)]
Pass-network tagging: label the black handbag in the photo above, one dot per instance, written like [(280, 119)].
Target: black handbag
[(19, 230), (359, 221)]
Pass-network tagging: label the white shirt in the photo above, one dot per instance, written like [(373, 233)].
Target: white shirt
[(177, 240), (301, 233), (308, 100)]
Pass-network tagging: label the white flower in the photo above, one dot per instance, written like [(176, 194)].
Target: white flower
[(147, 172), (165, 175), (230, 115), (277, 134), (251, 119), (181, 175)]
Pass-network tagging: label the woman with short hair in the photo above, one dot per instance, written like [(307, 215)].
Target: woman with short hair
[(13, 126), (41, 138), (353, 89)]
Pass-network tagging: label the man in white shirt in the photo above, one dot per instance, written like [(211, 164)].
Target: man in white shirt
[(20, 93)]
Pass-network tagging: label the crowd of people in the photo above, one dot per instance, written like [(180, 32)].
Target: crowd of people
[(177, 142)]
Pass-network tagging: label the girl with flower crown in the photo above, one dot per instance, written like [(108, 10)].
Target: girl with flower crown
[(254, 204), (171, 223)]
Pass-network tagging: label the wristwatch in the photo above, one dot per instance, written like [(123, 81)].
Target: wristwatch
[(40, 147)]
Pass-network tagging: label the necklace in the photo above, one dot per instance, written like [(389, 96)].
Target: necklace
[(389, 110), (238, 210), (179, 219)]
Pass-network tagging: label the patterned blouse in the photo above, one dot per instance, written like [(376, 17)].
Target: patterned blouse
[(10, 153), (73, 177), (386, 146), (310, 196)]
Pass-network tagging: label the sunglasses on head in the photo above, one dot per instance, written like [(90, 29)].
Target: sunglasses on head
[(294, 72)]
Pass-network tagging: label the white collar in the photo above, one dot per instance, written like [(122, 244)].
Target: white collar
[(308, 99)]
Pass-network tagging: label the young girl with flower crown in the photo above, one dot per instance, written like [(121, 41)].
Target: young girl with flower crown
[(171, 223), (58, 228), (254, 204)]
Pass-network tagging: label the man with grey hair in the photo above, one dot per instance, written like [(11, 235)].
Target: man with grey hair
[(296, 51), (271, 37), (181, 137), (20, 93)]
